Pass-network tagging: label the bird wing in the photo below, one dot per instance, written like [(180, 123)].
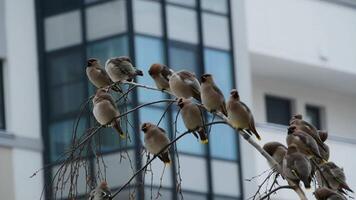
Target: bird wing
[(252, 125), (166, 72), (190, 79), (105, 75)]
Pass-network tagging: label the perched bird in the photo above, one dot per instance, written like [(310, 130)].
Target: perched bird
[(121, 69), (325, 193), (193, 118), (155, 140), (239, 114), (276, 150), (105, 110), (161, 74), (102, 192), (323, 135), (334, 176), (211, 96), (305, 143), (297, 167), (98, 76), (185, 84)]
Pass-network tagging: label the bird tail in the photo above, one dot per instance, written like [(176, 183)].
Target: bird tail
[(223, 109), (346, 187), (138, 72), (117, 127), (306, 184), (254, 132), (202, 135), (165, 157)]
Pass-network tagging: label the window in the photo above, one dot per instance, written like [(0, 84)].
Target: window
[(279, 110), (313, 115), (148, 19), (56, 6), (190, 3), (184, 56), (59, 33), (2, 107), (216, 31), (222, 141), (215, 6)]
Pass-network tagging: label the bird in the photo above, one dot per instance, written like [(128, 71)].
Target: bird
[(193, 118), (325, 193), (160, 74), (98, 76), (334, 175), (105, 110), (101, 192), (323, 135), (325, 151), (121, 69), (211, 96), (239, 115), (306, 144), (297, 167), (155, 139), (184, 84), (277, 151)]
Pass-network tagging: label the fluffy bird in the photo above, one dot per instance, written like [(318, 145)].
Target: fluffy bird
[(211, 96), (155, 140), (239, 114), (161, 74), (98, 76), (305, 143), (121, 69), (334, 176), (185, 84), (193, 118), (297, 167), (105, 110), (325, 193), (101, 192), (276, 150)]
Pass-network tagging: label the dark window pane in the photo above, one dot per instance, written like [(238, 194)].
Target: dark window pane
[(313, 116), (65, 67), (215, 6), (55, 6), (278, 110), (148, 51), (184, 56), (2, 107), (218, 63)]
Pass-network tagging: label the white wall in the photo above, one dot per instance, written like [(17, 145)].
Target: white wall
[(2, 29), (308, 31)]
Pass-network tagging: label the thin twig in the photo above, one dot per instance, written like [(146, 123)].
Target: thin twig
[(276, 189)]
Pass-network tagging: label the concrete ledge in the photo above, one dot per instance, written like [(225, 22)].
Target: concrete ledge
[(12, 141)]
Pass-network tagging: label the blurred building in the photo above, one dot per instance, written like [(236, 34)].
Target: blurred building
[(284, 57)]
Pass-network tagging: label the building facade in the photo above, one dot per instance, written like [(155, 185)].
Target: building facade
[(284, 57)]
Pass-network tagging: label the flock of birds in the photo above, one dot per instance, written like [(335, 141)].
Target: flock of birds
[(305, 157)]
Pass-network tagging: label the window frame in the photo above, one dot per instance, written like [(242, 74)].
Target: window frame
[(2, 100)]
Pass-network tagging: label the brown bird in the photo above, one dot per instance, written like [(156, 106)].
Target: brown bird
[(105, 110), (185, 84), (239, 115), (211, 96), (102, 192), (325, 193), (155, 140), (305, 143), (334, 176), (297, 167), (276, 150), (160, 74), (121, 69), (193, 118), (98, 76)]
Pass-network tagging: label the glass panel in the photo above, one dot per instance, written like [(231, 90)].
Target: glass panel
[(313, 116), (222, 141), (225, 172), (182, 24), (194, 174), (55, 6), (2, 106), (184, 56), (219, 6), (147, 16), (148, 51), (278, 110), (108, 48), (60, 136), (189, 143), (226, 198), (152, 194), (190, 3), (194, 196), (106, 19), (216, 31), (59, 33), (65, 67), (219, 64)]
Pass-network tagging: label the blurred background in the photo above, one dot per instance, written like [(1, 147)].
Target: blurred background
[(284, 57)]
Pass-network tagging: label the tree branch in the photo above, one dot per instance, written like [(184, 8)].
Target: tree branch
[(276, 189)]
